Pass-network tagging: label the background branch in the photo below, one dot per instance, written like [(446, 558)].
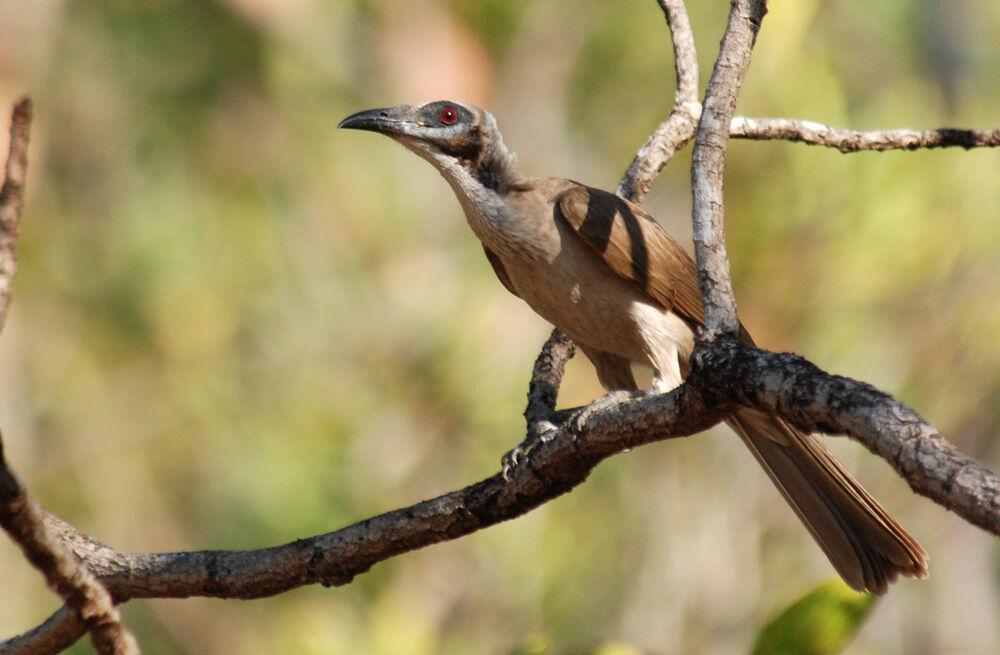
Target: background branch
[(20, 516), (12, 200)]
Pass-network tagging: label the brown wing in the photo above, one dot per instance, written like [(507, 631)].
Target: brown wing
[(866, 546), (499, 270), (636, 247)]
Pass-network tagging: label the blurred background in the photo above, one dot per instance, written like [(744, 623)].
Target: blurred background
[(234, 325)]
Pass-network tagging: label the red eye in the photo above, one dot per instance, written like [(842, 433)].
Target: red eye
[(448, 116)]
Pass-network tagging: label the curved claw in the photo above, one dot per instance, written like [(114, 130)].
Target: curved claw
[(512, 459), (540, 433)]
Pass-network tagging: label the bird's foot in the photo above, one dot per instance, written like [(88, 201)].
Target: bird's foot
[(538, 434)]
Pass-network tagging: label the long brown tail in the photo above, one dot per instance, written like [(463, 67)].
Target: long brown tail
[(865, 545)]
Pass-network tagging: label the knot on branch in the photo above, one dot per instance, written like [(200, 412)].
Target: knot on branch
[(726, 369)]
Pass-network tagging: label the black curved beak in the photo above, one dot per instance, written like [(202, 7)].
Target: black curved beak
[(387, 120)]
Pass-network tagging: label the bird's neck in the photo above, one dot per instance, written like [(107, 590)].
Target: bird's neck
[(484, 189), (495, 169)]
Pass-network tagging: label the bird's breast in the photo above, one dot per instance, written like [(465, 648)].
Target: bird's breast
[(577, 292)]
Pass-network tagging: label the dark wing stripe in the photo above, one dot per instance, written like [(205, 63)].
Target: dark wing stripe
[(636, 247), (640, 253)]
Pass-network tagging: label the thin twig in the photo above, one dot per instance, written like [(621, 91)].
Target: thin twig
[(12, 199), (845, 140)]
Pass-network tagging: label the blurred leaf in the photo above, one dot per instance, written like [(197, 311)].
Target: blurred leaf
[(821, 622), (534, 645), (622, 59), (617, 649)]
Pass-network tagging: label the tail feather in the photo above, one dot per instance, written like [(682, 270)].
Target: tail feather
[(865, 545)]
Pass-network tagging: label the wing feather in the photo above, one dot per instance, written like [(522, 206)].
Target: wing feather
[(499, 269), (636, 247)]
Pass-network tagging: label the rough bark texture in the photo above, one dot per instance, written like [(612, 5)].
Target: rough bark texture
[(709, 163), (56, 634), (845, 141), (546, 378), (789, 385)]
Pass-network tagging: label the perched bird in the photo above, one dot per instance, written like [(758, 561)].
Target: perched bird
[(608, 275)]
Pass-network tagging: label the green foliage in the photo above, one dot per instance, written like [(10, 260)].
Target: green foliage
[(819, 623), (496, 21), (626, 42)]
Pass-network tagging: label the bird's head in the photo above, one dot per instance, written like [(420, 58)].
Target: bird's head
[(452, 136)]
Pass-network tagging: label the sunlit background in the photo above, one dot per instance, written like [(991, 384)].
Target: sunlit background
[(234, 325)]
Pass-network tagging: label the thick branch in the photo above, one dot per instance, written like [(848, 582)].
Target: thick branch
[(731, 373), (797, 390), (679, 127), (613, 424), (334, 559), (709, 162), (855, 140)]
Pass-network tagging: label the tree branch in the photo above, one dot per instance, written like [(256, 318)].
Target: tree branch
[(679, 127), (709, 162), (20, 516), (815, 401), (846, 140), (617, 423), (56, 634), (12, 199), (546, 376), (24, 520), (725, 375)]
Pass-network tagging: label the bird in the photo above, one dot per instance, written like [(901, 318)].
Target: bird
[(609, 276)]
